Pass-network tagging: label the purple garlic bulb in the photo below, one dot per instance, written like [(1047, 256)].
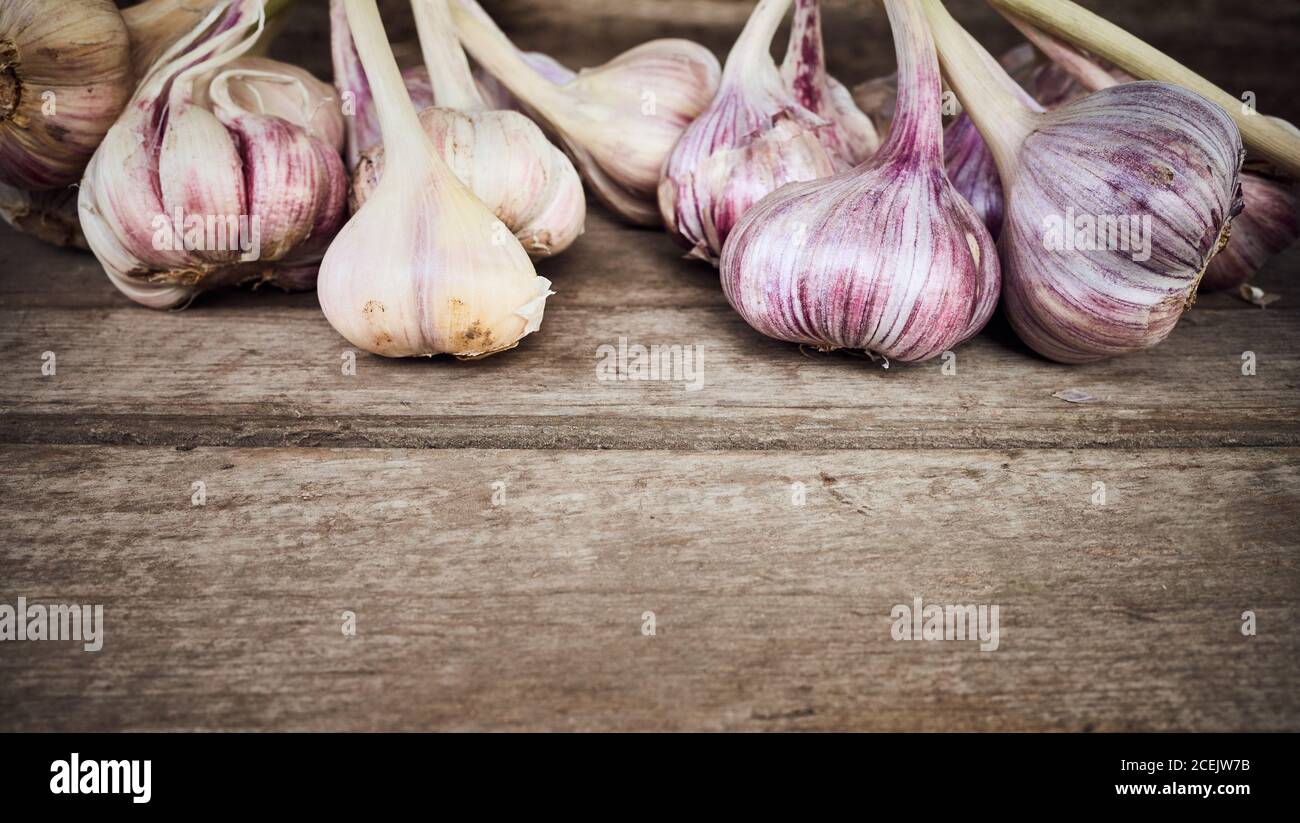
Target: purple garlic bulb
[(887, 257), (754, 138)]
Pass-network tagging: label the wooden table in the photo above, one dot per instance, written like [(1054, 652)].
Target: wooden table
[(500, 529)]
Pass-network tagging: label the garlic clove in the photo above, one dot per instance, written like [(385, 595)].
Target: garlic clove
[(423, 267), (886, 257), (618, 121), (65, 75), (200, 172), (852, 135), (753, 139)]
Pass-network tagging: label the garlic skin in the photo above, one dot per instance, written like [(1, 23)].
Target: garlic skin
[(65, 74), (852, 136), (423, 268), (258, 195), (886, 257), (752, 140), (1268, 226), (286, 91), (618, 121), (501, 156)]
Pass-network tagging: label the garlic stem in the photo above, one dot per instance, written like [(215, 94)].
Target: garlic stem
[(1003, 120), (1099, 36), (502, 60), (917, 130), (1088, 74), (449, 72), (806, 51), (405, 142), (755, 41)]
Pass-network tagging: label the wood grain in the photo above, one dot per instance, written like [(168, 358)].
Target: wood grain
[(265, 369), (768, 616)]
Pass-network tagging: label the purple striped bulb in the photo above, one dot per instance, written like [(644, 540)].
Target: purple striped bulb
[(888, 257), (1115, 205), (754, 138)]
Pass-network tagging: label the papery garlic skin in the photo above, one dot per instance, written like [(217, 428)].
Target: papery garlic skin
[(852, 135), (423, 268), (65, 74), (258, 196), (1179, 170), (1269, 225), (509, 165), (291, 93), (753, 139), (887, 257), (618, 121)]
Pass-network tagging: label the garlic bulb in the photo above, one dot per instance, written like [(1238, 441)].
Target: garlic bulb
[(886, 257), (1269, 222), (852, 136), (752, 140), (423, 267), (1088, 274), (617, 121), (502, 156), (204, 181), (65, 74)]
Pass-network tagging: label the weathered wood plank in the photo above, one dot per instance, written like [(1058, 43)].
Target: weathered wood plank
[(768, 615), (265, 369)]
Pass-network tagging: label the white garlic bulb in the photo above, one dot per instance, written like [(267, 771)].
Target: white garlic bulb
[(618, 121), (501, 156), (191, 190), (423, 267)]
